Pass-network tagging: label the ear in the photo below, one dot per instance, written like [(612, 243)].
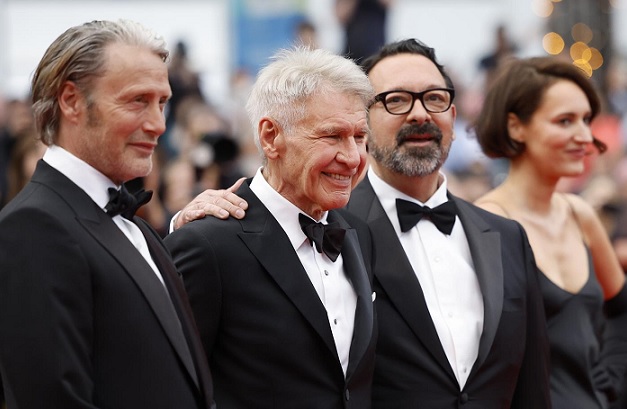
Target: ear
[(71, 102), (515, 128), (270, 138)]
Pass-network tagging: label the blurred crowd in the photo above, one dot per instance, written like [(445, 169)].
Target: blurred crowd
[(209, 144)]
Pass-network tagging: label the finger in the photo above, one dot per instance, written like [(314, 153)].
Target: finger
[(223, 208), (187, 215), (233, 200), (236, 185)]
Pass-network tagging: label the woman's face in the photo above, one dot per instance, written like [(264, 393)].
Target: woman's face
[(557, 138)]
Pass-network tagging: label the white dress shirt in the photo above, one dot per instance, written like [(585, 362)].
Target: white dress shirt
[(96, 185), (444, 268), (327, 277)]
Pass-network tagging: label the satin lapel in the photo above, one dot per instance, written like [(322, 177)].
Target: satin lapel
[(358, 275), (265, 238), (178, 296), (485, 249), (109, 235), (395, 274)]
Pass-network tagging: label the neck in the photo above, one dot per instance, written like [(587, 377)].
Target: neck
[(528, 189), (418, 187)]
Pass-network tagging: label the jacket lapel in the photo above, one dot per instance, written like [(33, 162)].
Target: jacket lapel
[(395, 274), (111, 238), (265, 238), (175, 286), (358, 275), (485, 249)]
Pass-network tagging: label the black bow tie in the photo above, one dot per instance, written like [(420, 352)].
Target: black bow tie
[(123, 202), (327, 237), (442, 216)]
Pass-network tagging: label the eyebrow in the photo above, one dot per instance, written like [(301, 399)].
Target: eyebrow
[(335, 130)]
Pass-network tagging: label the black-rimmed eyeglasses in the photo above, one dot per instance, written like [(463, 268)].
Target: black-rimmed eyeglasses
[(400, 102)]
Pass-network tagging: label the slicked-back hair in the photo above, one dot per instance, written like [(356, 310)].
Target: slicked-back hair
[(79, 55), (518, 88), (407, 46), (283, 87)]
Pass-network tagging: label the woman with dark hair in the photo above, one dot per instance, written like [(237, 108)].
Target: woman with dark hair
[(537, 114)]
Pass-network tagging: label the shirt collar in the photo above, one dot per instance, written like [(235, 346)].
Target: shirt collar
[(388, 194), (284, 211), (94, 183)]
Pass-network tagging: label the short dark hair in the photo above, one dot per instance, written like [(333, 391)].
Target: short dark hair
[(407, 46), (519, 88)]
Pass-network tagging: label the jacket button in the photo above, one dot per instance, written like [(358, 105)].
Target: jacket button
[(463, 398), (347, 394)]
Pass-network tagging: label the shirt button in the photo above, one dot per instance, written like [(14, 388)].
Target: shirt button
[(450, 314), (335, 321), (326, 272)]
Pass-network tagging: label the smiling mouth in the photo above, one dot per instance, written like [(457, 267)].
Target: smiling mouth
[(338, 177), (578, 153)]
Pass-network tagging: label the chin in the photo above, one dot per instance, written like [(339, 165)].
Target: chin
[(136, 173), (339, 202)]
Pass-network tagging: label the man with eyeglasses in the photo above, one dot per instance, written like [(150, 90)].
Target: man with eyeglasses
[(461, 323)]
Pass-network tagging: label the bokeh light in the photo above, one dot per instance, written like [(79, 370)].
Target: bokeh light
[(553, 43), (542, 8), (577, 50), (585, 66), (596, 58), (581, 32)]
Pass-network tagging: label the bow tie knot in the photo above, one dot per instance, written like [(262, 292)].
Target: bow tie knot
[(442, 216), (121, 201), (328, 238)]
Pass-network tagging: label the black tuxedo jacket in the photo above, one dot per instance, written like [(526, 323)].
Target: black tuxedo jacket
[(263, 326), (84, 321), (412, 371)]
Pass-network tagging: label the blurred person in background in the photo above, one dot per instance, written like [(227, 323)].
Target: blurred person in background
[(28, 150), (306, 34), (365, 26), (18, 119), (185, 83), (538, 115), (503, 49)]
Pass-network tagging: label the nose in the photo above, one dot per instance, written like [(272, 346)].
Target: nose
[(349, 153), (584, 134), (418, 113), (154, 122)]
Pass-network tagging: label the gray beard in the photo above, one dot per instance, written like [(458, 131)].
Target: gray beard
[(413, 162)]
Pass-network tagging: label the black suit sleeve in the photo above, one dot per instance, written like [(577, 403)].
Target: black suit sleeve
[(532, 390), (45, 314), (196, 261)]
